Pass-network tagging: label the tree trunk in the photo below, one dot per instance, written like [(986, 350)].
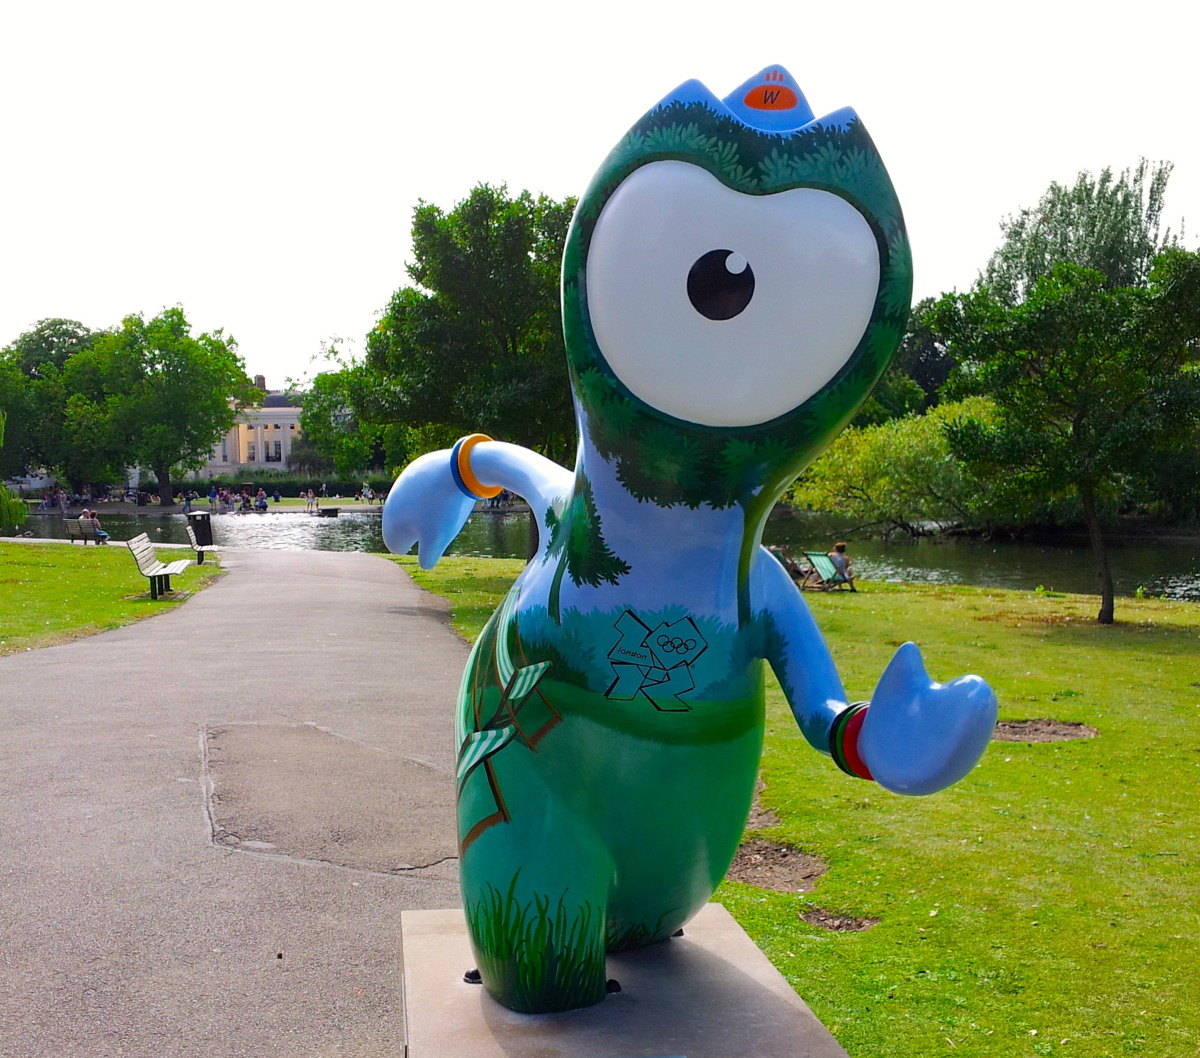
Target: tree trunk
[(166, 496), (1087, 494)]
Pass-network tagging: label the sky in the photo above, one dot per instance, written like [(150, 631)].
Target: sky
[(258, 162)]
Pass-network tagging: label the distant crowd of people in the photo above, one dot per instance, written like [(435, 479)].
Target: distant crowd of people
[(226, 501), (221, 499)]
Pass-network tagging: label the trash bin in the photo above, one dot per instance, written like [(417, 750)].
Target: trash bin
[(142, 498), (201, 523)]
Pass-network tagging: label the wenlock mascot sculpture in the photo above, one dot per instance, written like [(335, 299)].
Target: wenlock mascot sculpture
[(735, 281)]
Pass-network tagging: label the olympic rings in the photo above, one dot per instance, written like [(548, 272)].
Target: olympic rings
[(675, 644)]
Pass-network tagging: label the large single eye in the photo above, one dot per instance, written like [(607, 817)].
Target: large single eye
[(727, 309), (720, 284)]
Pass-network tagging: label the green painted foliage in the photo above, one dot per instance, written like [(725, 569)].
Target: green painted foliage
[(577, 541), (724, 468), (541, 957)]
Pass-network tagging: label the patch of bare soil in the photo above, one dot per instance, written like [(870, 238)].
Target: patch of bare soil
[(840, 923), (1041, 730), (760, 817), (779, 868)]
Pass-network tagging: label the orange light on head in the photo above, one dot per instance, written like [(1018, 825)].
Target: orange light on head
[(772, 95)]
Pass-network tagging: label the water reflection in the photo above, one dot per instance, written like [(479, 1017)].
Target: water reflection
[(1169, 568)]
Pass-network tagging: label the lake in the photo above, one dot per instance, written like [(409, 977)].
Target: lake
[(1169, 568)]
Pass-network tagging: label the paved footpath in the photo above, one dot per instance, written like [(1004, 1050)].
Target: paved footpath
[(211, 820)]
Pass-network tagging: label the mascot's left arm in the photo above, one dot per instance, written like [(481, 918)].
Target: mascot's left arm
[(914, 736)]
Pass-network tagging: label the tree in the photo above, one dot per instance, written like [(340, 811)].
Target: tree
[(49, 345), (341, 419), (899, 474), (152, 394), (31, 389), (477, 344), (14, 404), (916, 374), (895, 395), (1090, 381), (1112, 225), (306, 458), (1078, 332), (923, 355), (12, 510)]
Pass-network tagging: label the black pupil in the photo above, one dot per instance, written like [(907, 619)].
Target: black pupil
[(714, 291)]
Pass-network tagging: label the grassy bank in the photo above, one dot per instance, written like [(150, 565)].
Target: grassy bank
[(1047, 904), (53, 593)]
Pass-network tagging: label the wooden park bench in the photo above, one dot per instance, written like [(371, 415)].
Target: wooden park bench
[(149, 566), (198, 547), (77, 530)]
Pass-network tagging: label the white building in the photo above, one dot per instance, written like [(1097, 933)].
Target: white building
[(261, 437)]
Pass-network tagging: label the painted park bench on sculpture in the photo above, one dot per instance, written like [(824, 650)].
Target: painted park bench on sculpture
[(736, 279)]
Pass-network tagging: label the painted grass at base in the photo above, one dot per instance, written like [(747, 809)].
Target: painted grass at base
[(538, 958)]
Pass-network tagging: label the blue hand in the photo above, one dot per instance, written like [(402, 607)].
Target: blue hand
[(919, 736), (425, 507)]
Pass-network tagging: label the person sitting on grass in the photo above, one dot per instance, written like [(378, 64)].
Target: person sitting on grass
[(841, 563)]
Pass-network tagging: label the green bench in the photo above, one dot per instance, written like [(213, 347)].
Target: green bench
[(159, 573), (823, 576)]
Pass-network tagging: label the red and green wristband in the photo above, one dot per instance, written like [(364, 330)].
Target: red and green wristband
[(843, 740)]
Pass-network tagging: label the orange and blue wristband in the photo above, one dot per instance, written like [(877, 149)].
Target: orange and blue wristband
[(843, 740), (460, 469)]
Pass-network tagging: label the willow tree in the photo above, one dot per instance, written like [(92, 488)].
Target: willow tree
[(1112, 224), (12, 509)]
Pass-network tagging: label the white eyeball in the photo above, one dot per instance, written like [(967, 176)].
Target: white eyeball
[(726, 309)]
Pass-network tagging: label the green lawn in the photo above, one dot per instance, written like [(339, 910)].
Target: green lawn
[(53, 593), (1047, 904)]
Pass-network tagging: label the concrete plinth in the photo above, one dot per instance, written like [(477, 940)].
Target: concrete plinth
[(708, 994)]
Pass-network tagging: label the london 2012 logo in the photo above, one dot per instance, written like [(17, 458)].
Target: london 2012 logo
[(655, 662)]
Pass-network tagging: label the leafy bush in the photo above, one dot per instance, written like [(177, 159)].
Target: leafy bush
[(12, 510), (901, 476)]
